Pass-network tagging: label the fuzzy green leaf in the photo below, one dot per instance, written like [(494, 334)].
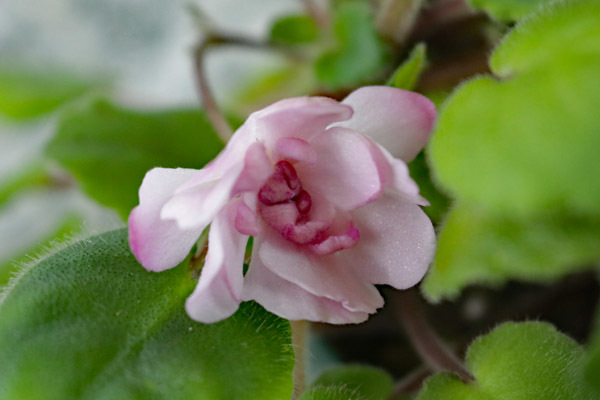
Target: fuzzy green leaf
[(110, 149), (476, 247), (527, 140), (351, 382), (517, 361), (88, 322), (508, 10)]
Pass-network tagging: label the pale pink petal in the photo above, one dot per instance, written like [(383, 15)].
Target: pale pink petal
[(345, 173), (397, 243), (395, 176), (156, 243), (399, 120), (295, 149), (289, 301), (257, 169), (195, 207), (300, 117), (246, 220), (219, 288), (324, 276)]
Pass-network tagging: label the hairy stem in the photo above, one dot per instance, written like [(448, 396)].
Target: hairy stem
[(434, 352), (299, 336), (410, 383)]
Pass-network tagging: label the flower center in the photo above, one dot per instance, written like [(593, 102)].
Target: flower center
[(285, 206)]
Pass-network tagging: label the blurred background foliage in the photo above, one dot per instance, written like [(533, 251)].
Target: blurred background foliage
[(95, 93)]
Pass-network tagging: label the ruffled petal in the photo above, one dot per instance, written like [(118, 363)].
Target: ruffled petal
[(160, 244), (195, 207), (257, 169), (345, 172), (295, 149), (397, 243), (399, 120), (300, 117), (324, 276), (219, 288), (289, 301)]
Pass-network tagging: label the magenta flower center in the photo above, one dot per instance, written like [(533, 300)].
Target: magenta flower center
[(285, 206)]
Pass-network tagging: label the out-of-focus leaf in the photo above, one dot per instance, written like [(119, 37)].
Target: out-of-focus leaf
[(294, 29), (109, 149), (360, 52), (88, 322), (35, 174), (476, 247), (517, 361), (438, 202), (25, 93), (508, 10), (408, 73), (527, 140), (355, 382)]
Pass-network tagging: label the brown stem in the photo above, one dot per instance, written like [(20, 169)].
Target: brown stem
[(317, 13), (433, 351), (410, 383), (215, 116)]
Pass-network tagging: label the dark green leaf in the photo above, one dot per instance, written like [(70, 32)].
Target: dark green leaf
[(25, 93), (359, 55), (408, 73), (294, 29), (88, 322), (353, 381), (109, 149), (517, 361)]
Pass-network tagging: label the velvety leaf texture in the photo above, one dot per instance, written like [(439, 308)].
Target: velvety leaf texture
[(526, 139), (478, 247), (88, 322), (517, 361), (110, 149), (358, 382)]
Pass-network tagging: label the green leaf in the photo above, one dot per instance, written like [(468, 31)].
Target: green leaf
[(517, 361), (592, 361), (359, 55), (26, 93), (294, 29), (88, 322), (527, 140), (110, 149), (408, 73), (358, 382), (508, 10), (477, 247)]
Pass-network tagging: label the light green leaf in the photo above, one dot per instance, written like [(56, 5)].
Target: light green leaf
[(517, 361), (477, 247), (294, 29), (408, 73), (26, 93), (527, 140), (88, 322), (508, 10), (109, 149), (358, 382), (592, 361), (360, 53)]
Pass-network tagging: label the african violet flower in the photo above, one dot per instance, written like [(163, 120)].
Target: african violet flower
[(332, 212)]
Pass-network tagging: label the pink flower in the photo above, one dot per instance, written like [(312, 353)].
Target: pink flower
[(332, 212)]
